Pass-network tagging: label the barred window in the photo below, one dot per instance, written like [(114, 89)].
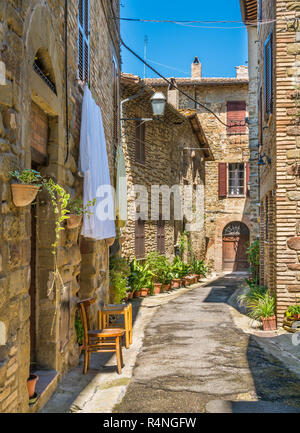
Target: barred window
[(83, 40), (140, 132)]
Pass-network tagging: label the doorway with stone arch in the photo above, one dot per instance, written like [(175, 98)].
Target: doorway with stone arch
[(236, 238)]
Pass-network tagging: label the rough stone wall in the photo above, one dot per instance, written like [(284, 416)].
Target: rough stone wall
[(281, 142), (25, 27), (225, 148), (166, 164)]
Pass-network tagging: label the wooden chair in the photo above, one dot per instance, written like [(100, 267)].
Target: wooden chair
[(115, 310), (95, 340)]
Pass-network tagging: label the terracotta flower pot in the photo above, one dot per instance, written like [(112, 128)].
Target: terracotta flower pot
[(137, 294), (157, 288), (130, 295), (175, 283), (296, 316), (31, 383), (23, 195), (186, 281), (167, 287), (144, 292), (269, 323), (74, 221)]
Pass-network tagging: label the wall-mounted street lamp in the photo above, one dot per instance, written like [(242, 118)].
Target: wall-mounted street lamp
[(158, 102)]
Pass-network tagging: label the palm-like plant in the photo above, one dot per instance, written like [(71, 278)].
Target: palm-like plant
[(261, 306)]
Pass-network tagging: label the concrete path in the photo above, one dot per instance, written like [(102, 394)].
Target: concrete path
[(195, 359)]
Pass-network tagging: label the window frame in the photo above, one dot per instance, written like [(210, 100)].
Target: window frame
[(85, 32), (229, 195)]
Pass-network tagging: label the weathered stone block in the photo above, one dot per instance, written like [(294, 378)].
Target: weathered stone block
[(294, 243), (294, 266), (293, 288), (294, 195), (293, 154)]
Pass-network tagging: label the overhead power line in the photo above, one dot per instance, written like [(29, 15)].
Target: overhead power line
[(168, 81)]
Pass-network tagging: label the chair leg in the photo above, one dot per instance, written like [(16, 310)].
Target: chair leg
[(130, 322), (118, 355), (121, 353), (127, 336), (86, 361)]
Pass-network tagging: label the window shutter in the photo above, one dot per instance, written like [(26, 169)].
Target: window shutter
[(161, 236), (247, 177), (236, 116), (268, 74), (140, 239), (222, 179)]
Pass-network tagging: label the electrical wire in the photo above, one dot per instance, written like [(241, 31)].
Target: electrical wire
[(143, 20), (168, 81)]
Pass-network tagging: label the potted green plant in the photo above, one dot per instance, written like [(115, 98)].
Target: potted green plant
[(178, 270), (199, 269), (293, 311), (263, 307), (140, 278), (159, 267), (25, 186), (31, 384), (76, 210)]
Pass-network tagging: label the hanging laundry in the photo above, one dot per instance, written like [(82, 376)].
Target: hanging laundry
[(93, 164)]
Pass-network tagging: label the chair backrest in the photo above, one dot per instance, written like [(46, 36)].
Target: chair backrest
[(84, 311)]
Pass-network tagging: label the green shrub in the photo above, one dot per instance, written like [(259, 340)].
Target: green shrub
[(79, 328), (199, 267), (160, 267), (119, 272), (179, 269), (292, 310), (253, 254)]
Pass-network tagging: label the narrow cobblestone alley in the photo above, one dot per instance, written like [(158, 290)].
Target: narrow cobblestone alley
[(193, 353)]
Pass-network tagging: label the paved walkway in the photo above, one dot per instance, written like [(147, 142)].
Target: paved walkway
[(190, 354), (194, 354)]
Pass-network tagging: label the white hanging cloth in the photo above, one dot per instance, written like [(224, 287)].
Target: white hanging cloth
[(93, 163)]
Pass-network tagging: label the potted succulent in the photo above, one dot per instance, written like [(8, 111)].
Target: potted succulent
[(76, 210), (25, 186)]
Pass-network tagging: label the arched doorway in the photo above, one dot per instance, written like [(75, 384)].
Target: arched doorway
[(235, 242)]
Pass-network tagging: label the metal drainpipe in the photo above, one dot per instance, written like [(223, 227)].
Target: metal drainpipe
[(66, 78)]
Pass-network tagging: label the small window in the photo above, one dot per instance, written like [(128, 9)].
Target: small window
[(140, 131), (268, 75), (83, 40), (161, 236), (140, 239), (236, 117), (236, 179)]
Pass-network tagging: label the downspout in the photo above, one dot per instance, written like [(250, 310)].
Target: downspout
[(66, 79)]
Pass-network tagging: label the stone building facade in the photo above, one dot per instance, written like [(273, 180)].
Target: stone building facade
[(227, 205), (277, 32), (41, 90), (165, 161)]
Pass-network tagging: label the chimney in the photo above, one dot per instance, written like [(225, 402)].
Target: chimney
[(173, 94), (242, 72), (196, 69)]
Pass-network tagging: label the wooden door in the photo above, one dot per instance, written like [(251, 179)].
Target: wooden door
[(235, 243)]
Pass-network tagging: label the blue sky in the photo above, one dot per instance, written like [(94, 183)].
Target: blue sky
[(175, 46)]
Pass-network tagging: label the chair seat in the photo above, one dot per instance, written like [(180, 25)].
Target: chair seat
[(115, 307), (108, 332)]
